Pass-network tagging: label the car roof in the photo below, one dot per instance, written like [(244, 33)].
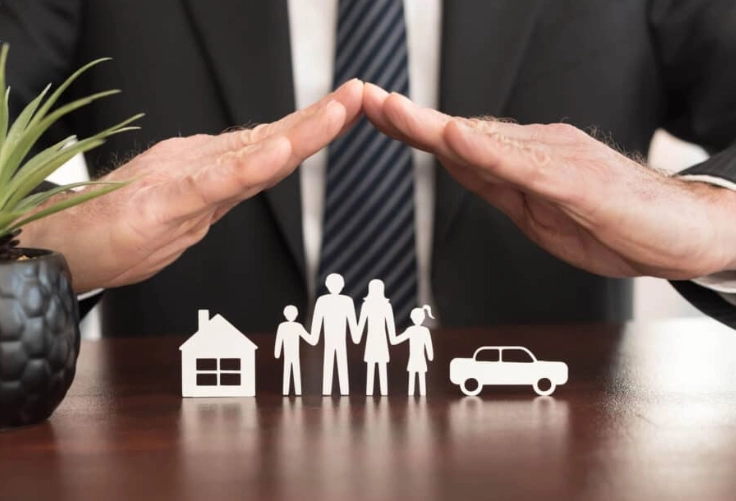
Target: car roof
[(503, 348)]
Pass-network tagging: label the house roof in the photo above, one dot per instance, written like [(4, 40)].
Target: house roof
[(218, 331)]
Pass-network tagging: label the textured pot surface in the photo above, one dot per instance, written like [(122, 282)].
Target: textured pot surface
[(39, 337)]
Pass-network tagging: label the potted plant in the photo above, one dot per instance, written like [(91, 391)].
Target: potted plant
[(39, 319)]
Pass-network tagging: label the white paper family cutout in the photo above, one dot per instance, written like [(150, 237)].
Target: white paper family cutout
[(506, 365), (219, 361), (335, 317)]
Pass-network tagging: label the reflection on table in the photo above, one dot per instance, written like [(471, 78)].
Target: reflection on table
[(649, 413)]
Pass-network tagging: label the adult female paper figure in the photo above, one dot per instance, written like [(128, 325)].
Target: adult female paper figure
[(420, 343), (379, 315)]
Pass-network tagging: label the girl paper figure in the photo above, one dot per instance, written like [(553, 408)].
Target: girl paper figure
[(420, 344), (379, 315)]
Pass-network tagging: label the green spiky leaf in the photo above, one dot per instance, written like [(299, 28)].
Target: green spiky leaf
[(66, 204), (19, 176), (32, 201), (4, 94)]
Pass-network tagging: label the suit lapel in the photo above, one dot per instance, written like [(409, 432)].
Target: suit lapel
[(247, 46), (483, 44)]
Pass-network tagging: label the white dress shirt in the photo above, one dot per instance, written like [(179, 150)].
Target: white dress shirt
[(313, 24)]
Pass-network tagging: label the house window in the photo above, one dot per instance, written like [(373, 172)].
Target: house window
[(218, 372), (229, 372)]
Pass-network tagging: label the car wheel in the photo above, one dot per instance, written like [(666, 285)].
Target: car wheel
[(471, 387), (544, 387)]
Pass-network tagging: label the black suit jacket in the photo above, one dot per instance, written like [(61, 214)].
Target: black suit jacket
[(624, 67)]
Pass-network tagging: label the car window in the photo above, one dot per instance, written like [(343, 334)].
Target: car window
[(488, 355), (516, 355)]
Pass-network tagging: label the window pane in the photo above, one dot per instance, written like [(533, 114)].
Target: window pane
[(229, 364), (516, 356), (230, 379), (206, 364), (490, 355), (206, 379)]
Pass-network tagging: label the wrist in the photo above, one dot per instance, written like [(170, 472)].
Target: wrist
[(61, 233), (720, 199), (724, 218)]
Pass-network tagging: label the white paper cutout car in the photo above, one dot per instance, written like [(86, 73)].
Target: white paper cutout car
[(218, 360), (506, 365)]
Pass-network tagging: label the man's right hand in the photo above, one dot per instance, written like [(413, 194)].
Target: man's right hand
[(182, 186)]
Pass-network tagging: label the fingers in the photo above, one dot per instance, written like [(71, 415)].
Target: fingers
[(240, 175), (374, 98), (312, 134), (399, 118), (423, 128), (349, 95), (481, 152), (524, 164)]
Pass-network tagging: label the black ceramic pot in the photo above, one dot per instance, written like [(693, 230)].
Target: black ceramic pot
[(39, 336)]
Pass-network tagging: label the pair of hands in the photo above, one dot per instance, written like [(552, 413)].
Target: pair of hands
[(573, 195)]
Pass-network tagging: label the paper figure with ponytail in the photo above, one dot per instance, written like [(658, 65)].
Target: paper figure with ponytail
[(420, 348)]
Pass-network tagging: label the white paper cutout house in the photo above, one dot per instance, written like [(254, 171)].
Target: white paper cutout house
[(218, 360)]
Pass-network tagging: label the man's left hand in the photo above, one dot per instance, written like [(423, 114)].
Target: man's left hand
[(575, 196)]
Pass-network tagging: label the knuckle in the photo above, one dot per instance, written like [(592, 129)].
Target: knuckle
[(566, 131), (192, 186), (540, 175), (198, 138), (540, 157), (170, 145), (507, 144), (239, 138), (259, 132)]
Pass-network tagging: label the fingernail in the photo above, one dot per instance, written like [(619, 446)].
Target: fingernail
[(352, 81)]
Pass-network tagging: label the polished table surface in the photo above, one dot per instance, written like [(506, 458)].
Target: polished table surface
[(649, 413)]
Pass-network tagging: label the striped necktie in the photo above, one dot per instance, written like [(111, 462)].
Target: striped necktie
[(368, 227)]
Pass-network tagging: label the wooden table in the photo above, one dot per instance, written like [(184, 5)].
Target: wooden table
[(649, 413)]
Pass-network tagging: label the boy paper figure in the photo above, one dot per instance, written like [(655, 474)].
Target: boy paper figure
[(287, 336), (337, 313), (420, 343)]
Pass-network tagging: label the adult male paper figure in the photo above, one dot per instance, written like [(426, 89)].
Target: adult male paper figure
[(336, 313), (287, 336)]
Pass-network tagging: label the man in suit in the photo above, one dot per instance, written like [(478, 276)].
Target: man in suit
[(196, 66)]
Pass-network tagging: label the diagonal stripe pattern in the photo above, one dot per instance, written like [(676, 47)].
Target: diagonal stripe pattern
[(368, 227)]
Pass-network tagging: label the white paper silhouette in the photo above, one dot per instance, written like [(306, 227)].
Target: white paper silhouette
[(506, 365), (217, 360), (287, 337), (378, 314), (334, 314), (420, 349)]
